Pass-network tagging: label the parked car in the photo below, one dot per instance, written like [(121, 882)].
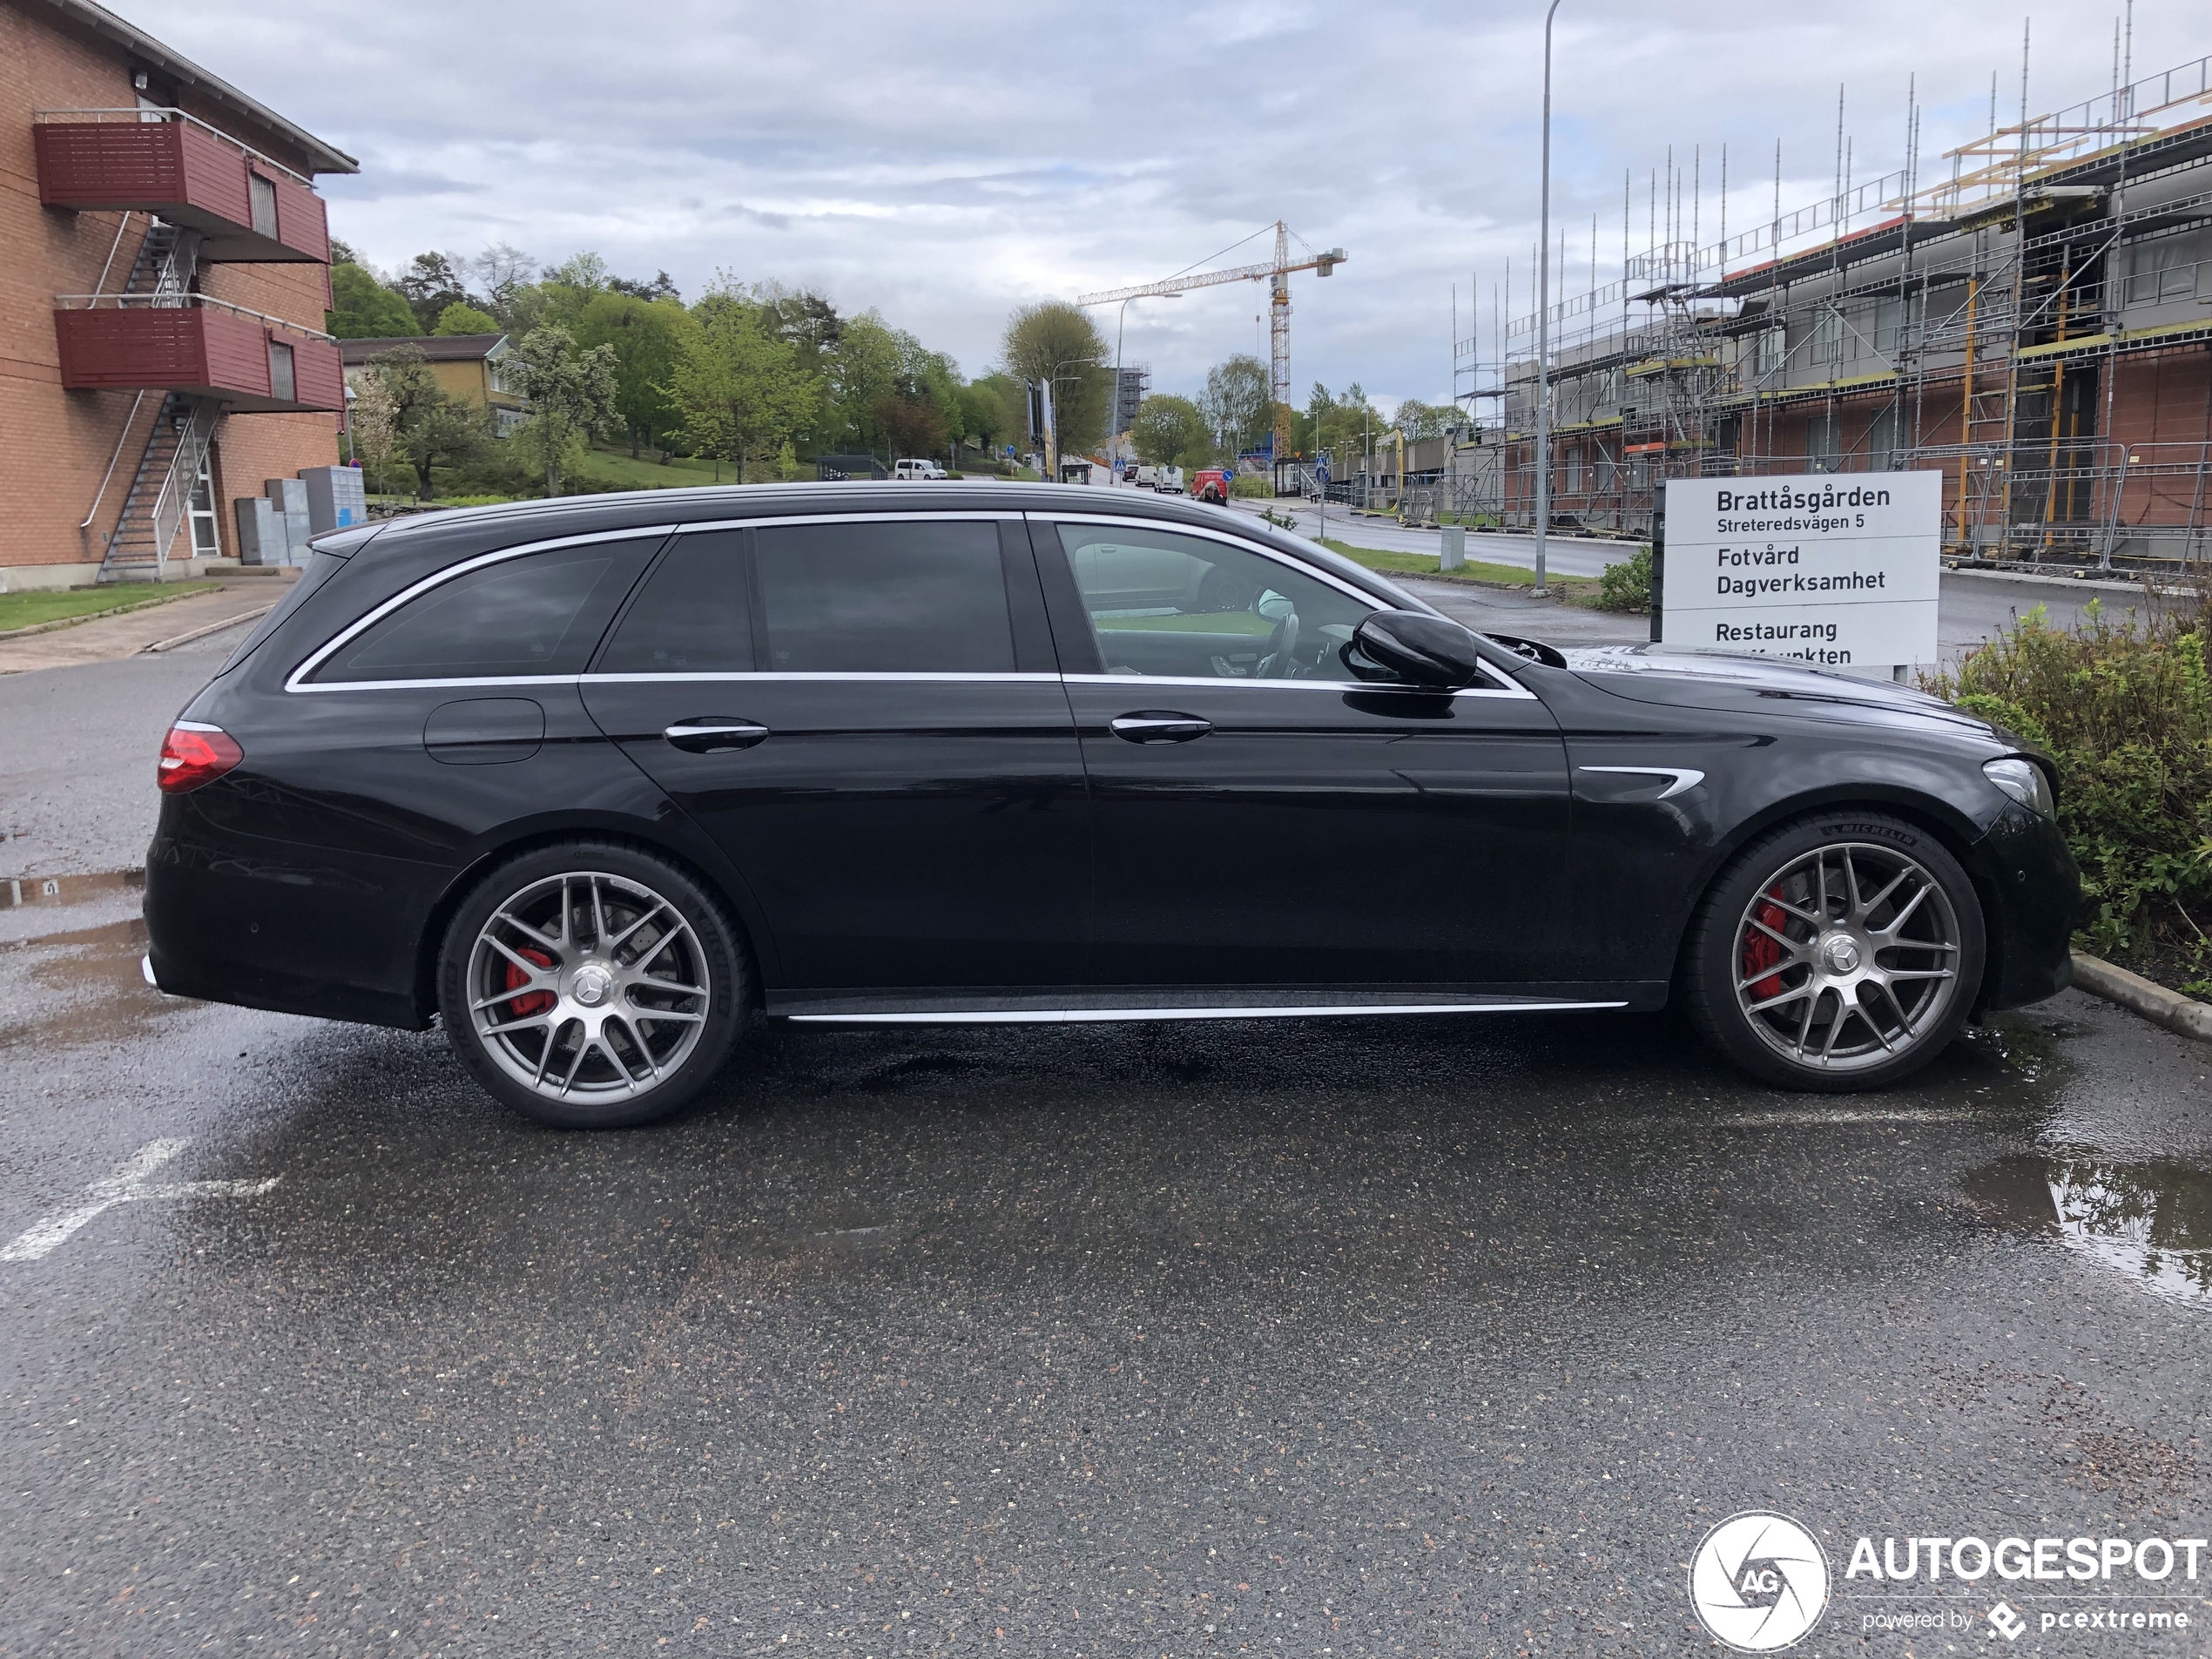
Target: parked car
[(917, 470), (1211, 483), (594, 781), (1145, 476)]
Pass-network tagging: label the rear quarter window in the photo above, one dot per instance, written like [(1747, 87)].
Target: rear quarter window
[(533, 615)]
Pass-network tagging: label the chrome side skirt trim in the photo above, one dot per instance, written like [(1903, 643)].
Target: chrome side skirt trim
[(1095, 1016)]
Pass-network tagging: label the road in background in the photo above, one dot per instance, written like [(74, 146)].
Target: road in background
[(1973, 609)]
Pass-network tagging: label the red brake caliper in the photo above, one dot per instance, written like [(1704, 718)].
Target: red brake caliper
[(531, 1002), (1761, 953)]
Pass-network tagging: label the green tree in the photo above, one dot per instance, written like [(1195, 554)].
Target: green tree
[(1418, 419), (571, 394), (993, 412), (364, 308), (648, 338), (738, 385), (460, 318), (431, 282), (428, 425), (1057, 342), (1170, 431), (1238, 403)]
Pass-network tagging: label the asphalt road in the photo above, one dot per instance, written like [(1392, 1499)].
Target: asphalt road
[(1971, 610), (1446, 1337)]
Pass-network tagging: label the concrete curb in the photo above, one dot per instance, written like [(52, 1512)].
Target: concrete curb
[(2154, 1002), (215, 627)]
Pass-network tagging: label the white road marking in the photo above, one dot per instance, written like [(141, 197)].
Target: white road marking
[(127, 1185), (1816, 1118)]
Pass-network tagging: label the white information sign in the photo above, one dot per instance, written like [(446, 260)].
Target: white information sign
[(1838, 569)]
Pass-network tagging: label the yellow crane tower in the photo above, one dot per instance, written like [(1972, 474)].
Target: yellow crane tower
[(1277, 274)]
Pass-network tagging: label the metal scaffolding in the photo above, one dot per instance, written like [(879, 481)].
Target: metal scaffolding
[(2036, 324)]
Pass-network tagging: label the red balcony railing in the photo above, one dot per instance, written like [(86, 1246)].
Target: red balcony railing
[(247, 208), (253, 363)]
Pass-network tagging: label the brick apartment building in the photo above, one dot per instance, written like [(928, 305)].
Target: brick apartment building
[(162, 352), (2029, 314)]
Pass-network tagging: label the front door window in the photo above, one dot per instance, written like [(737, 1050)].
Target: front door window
[(1163, 606)]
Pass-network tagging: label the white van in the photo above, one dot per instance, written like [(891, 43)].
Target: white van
[(1168, 481), (917, 470)]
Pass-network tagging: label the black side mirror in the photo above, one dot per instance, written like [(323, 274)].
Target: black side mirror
[(1406, 648)]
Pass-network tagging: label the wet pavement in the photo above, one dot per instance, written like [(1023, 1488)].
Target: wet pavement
[(1438, 1337)]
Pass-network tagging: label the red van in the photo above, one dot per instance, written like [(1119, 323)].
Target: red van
[(1211, 483)]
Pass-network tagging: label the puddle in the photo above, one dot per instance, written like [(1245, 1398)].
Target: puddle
[(83, 986), (71, 889), (2151, 1222)]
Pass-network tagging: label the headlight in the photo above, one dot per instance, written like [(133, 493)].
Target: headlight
[(2024, 781)]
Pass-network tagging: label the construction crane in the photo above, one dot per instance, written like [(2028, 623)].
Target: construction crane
[(1277, 274)]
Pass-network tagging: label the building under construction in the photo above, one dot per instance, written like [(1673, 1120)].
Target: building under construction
[(2035, 323)]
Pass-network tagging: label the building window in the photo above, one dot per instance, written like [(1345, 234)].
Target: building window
[(1823, 451), (1573, 472), (1828, 336), (281, 384), (1767, 349), (206, 536), (1881, 441), (1893, 324), (2163, 271), (265, 212)]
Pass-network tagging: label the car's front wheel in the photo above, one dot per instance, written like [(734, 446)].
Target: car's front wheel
[(590, 985), (1839, 953)]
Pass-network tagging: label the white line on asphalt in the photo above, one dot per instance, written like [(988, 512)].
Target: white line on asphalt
[(127, 1185), (1851, 1114)]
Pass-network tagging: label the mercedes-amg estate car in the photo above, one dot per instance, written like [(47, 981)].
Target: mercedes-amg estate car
[(597, 783)]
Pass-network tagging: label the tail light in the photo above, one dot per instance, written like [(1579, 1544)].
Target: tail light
[(195, 753)]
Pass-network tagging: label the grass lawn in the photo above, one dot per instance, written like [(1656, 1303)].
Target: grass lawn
[(1576, 589), (613, 467), (29, 609)]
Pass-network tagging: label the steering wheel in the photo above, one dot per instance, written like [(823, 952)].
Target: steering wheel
[(1280, 663)]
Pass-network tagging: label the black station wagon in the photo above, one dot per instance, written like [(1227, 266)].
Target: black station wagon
[(596, 783)]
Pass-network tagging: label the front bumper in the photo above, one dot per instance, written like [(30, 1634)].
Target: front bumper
[(2031, 889)]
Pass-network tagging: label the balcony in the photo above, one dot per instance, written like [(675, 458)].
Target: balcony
[(254, 364), (249, 209)]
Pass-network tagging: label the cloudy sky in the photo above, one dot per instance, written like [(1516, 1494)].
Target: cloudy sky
[(944, 163)]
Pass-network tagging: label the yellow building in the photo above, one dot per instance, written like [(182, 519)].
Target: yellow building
[(466, 366)]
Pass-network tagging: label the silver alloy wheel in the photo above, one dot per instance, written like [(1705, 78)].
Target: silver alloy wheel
[(1847, 957), (587, 987)]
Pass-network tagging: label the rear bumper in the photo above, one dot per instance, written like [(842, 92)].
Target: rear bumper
[(2032, 889), (280, 928)]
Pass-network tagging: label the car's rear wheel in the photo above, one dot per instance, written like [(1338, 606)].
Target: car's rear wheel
[(590, 985), (1839, 953)]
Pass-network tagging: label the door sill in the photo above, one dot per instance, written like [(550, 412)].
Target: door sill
[(1074, 1006)]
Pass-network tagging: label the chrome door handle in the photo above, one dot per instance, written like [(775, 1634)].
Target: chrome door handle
[(1159, 727), (704, 736)]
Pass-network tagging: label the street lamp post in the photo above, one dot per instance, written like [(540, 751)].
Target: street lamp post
[(1120, 325), (1543, 321), (1052, 416)]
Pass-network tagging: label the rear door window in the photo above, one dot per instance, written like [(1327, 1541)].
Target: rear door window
[(908, 597), (535, 615), (694, 615)]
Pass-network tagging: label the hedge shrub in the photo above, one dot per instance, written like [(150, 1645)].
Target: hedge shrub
[(2125, 707)]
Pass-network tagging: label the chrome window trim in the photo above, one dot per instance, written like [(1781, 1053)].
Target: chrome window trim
[(1100, 1017), (1506, 687), (296, 680), (912, 515), (1510, 692), (892, 677)]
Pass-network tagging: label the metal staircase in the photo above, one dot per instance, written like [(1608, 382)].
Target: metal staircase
[(158, 505)]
